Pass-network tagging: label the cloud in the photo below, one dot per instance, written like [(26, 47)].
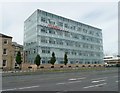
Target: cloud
[(98, 14)]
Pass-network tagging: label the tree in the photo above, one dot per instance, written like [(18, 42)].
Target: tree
[(37, 60), (65, 59), (18, 59), (53, 59)]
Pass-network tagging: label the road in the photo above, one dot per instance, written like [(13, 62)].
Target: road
[(73, 81)]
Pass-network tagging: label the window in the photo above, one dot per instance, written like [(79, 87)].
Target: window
[(59, 32), (43, 61), (29, 52), (43, 20), (4, 51), (84, 30), (51, 31), (4, 63), (59, 42), (43, 40), (43, 29), (83, 37), (78, 29), (47, 51), (60, 24), (67, 34), (51, 22), (5, 41), (51, 41), (91, 32), (66, 26), (34, 51)]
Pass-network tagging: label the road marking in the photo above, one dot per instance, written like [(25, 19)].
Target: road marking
[(74, 81), (97, 81), (20, 88), (95, 85), (76, 78), (9, 89), (68, 82), (28, 87), (99, 78), (117, 81)]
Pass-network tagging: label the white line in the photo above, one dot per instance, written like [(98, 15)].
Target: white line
[(99, 78), (88, 87), (20, 88), (117, 81), (97, 81), (74, 81), (95, 85), (28, 87), (77, 78), (67, 82), (9, 89), (100, 84)]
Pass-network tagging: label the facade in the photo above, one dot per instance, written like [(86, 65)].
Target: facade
[(6, 51), (45, 33)]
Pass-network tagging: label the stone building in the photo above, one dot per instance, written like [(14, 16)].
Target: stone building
[(6, 52)]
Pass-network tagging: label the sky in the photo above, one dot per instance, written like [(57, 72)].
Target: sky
[(103, 15)]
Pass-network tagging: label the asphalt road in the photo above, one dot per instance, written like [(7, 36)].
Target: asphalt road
[(72, 81)]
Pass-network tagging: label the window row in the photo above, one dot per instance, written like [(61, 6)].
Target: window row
[(71, 27), (69, 43), (73, 52), (70, 35)]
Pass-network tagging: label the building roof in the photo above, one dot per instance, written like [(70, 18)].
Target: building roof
[(64, 18), (17, 45), (2, 35)]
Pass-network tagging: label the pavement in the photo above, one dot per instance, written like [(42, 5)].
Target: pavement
[(106, 80)]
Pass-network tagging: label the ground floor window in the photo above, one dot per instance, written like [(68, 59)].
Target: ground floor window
[(4, 63)]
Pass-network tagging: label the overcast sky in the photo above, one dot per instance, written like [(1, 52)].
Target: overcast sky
[(103, 15)]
